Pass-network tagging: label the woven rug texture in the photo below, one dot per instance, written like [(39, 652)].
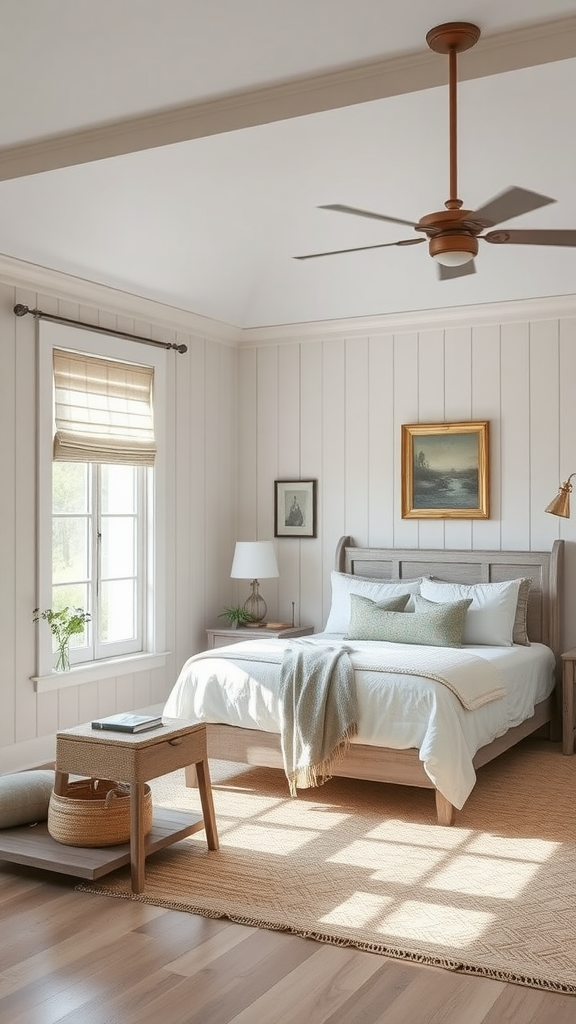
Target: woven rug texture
[(365, 864)]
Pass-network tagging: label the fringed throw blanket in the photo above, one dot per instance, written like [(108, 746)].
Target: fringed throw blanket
[(318, 709)]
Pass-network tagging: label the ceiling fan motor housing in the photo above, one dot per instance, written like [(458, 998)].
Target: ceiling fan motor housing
[(461, 246)]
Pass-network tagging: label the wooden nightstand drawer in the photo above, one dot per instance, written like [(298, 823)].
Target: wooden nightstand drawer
[(222, 637), (130, 757)]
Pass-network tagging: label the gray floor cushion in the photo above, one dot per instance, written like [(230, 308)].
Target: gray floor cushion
[(24, 797)]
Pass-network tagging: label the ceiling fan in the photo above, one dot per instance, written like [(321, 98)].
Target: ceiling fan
[(453, 233)]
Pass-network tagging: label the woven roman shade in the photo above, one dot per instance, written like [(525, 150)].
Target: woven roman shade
[(103, 410)]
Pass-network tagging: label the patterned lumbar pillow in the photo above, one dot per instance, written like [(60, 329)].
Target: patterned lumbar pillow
[(24, 797), (431, 625), (366, 616)]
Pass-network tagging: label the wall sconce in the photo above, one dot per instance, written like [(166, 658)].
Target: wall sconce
[(253, 559), (560, 506)]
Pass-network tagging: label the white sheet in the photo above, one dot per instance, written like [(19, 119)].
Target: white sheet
[(396, 711)]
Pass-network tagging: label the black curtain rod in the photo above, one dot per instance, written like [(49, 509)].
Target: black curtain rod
[(21, 310)]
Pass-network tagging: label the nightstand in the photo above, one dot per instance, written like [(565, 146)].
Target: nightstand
[(221, 637), (134, 758), (568, 686)]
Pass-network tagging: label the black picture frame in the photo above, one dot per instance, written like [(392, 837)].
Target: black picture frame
[(295, 508)]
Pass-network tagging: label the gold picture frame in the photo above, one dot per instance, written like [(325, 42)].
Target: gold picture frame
[(445, 470)]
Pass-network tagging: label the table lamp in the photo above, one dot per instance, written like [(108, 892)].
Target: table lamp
[(254, 560)]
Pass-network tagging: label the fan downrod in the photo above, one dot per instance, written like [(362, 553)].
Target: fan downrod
[(454, 36)]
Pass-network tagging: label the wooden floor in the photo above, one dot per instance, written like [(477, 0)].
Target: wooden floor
[(79, 958)]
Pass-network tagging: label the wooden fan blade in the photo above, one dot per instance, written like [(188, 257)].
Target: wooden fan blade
[(367, 213), (360, 248), (447, 273), (511, 203), (535, 237)]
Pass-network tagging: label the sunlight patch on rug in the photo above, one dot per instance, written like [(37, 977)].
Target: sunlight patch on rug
[(366, 864), (450, 927)]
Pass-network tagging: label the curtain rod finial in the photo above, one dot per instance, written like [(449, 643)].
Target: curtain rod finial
[(21, 310)]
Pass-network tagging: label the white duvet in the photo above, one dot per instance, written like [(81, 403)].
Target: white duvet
[(395, 710)]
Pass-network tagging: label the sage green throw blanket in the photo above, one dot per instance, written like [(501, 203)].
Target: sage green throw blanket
[(318, 708)]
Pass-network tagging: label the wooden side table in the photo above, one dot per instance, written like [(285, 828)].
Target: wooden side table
[(221, 636), (136, 758), (568, 687)]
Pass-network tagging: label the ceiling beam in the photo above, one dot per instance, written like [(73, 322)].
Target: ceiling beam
[(505, 51)]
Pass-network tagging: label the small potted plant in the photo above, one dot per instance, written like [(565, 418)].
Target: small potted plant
[(236, 615), (64, 624)]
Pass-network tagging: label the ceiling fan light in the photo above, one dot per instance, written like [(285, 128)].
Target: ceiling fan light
[(453, 250), (453, 258)]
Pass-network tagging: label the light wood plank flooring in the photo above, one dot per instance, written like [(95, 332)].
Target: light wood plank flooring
[(79, 958)]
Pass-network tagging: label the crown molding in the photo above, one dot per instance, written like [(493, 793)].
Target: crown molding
[(501, 52), (21, 274), (513, 311)]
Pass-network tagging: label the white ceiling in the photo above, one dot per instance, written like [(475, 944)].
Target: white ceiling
[(179, 150)]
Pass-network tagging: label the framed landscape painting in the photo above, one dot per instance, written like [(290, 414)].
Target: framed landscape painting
[(294, 508), (445, 471)]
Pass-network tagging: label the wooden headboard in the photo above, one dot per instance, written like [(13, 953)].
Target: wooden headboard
[(543, 567)]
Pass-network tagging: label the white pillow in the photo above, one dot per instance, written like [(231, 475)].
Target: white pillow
[(490, 618), (343, 584)]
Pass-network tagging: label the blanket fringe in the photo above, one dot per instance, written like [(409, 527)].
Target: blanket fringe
[(314, 775)]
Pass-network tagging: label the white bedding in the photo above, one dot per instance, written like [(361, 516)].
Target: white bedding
[(396, 711)]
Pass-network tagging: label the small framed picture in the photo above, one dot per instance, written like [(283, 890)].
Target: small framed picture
[(294, 508), (445, 471)]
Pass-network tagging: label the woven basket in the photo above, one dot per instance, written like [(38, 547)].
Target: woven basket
[(94, 812)]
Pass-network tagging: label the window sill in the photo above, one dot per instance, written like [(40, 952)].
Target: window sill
[(98, 670)]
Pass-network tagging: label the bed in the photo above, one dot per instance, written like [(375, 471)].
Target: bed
[(442, 757)]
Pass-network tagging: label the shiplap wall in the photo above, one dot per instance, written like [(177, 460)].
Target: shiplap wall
[(329, 405), (200, 530), (318, 401)]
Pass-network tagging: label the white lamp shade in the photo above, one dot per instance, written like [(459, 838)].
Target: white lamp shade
[(254, 560)]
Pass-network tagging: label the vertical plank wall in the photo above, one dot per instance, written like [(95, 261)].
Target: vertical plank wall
[(201, 510), (342, 396), (322, 401)]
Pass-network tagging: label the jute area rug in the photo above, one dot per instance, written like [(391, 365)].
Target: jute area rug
[(365, 864)]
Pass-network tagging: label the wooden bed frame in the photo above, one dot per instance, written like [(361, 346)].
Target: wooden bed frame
[(383, 764)]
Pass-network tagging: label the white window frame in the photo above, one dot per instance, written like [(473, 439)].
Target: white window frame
[(50, 336)]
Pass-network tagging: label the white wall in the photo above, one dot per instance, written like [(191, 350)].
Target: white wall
[(322, 401), (327, 401), (201, 526)]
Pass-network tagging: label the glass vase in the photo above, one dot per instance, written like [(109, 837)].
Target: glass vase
[(62, 663)]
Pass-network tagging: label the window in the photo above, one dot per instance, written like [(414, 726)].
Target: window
[(100, 500), (99, 554)]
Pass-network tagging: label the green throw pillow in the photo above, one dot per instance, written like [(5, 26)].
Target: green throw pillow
[(431, 624), (365, 615)]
